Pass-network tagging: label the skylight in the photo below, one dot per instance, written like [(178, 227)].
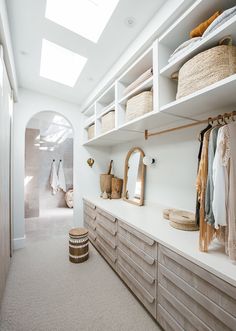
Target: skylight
[(60, 64), (88, 18)]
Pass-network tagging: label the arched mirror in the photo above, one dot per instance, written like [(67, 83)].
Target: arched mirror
[(134, 177)]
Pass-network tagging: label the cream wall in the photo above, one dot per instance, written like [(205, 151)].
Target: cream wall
[(86, 179), (171, 181)]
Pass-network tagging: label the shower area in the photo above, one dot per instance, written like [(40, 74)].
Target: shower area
[(48, 178)]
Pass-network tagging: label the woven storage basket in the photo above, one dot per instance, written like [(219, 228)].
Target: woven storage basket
[(108, 121), (91, 131), (206, 68), (138, 105)]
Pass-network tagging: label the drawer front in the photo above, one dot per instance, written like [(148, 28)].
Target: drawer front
[(166, 320), (89, 204), (147, 281), (106, 216), (106, 252), (110, 227), (90, 221), (91, 233), (179, 312), (141, 293), (211, 315), (106, 236), (146, 262), (90, 212), (220, 292), (143, 242)]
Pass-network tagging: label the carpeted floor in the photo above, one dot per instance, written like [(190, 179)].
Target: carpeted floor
[(45, 292)]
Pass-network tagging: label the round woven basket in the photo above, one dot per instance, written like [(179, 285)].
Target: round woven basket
[(183, 220), (206, 68)]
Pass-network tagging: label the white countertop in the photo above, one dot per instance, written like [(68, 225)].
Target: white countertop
[(149, 220)]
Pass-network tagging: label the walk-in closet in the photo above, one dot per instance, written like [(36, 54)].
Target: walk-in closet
[(118, 165)]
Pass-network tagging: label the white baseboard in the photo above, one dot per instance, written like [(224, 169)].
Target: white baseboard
[(19, 243)]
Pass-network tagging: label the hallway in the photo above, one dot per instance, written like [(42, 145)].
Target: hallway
[(45, 292)]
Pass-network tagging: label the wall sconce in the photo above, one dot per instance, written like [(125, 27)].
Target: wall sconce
[(90, 162), (148, 160)]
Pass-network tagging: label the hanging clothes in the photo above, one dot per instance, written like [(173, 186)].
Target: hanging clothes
[(220, 182), (54, 178), (229, 160), (207, 232), (209, 216), (201, 137), (61, 177)]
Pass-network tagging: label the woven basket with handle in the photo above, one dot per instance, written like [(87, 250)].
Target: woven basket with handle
[(206, 68), (139, 105)]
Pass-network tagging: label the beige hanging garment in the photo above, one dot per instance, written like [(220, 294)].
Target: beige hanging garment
[(207, 232)]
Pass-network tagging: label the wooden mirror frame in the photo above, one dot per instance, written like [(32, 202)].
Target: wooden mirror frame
[(141, 202)]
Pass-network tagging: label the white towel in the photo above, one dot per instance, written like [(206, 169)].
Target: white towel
[(54, 179), (61, 178)]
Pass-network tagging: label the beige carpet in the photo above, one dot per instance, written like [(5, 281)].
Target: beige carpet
[(45, 292)]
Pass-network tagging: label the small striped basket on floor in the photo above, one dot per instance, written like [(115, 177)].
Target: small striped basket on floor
[(78, 245)]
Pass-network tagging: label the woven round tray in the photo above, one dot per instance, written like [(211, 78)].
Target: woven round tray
[(166, 213), (183, 220)]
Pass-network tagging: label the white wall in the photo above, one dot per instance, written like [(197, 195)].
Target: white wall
[(171, 181), (86, 179)]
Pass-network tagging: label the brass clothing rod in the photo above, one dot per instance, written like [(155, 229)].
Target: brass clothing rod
[(208, 120)]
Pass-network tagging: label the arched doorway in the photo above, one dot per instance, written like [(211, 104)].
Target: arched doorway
[(48, 181)]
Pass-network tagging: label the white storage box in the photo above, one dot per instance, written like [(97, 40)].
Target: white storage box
[(139, 105), (108, 121)]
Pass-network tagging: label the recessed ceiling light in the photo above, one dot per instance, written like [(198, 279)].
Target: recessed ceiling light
[(87, 18), (60, 64), (130, 21)]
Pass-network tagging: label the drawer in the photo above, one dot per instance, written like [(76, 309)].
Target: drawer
[(166, 320), (105, 236), (141, 293), (179, 312), (146, 262), (213, 316), (91, 233), (143, 242), (106, 252), (89, 204), (107, 225), (106, 216), (90, 221), (220, 292), (146, 280), (90, 211)]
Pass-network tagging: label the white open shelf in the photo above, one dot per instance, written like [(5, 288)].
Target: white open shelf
[(167, 111), (229, 28), (145, 86), (219, 95)]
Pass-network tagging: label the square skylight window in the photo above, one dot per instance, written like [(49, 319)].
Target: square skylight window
[(60, 64), (88, 18)]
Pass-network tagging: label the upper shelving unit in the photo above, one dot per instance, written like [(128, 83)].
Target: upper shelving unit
[(155, 72)]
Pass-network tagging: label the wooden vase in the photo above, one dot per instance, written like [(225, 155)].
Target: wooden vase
[(116, 188), (105, 183)]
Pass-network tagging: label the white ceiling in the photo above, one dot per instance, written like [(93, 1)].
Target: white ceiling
[(28, 26)]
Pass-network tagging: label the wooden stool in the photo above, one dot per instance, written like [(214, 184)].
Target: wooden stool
[(78, 245)]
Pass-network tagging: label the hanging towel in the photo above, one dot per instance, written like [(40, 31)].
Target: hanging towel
[(61, 177), (54, 179)]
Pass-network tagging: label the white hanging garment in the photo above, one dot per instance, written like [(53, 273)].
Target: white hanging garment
[(54, 179), (61, 177)]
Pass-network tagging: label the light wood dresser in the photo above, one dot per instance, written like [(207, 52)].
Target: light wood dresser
[(179, 293)]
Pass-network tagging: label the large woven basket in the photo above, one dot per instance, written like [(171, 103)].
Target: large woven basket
[(108, 121), (91, 131), (139, 105), (206, 68)]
